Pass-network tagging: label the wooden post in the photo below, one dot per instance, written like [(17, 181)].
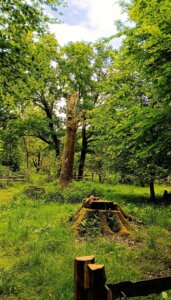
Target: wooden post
[(90, 278), (80, 277), (97, 290)]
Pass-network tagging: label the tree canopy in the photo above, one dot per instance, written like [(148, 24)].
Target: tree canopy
[(123, 95)]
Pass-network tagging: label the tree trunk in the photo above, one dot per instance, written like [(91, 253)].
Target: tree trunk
[(83, 154), (27, 153), (152, 192), (38, 162), (100, 178), (67, 163), (55, 139), (49, 113)]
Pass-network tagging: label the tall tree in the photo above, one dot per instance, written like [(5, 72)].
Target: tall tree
[(103, 56), (139, 106), (23, 23), (86, 67), (67, 164), (37, 93), (46, 86)]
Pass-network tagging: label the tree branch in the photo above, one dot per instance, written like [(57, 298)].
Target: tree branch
[(39, 137)]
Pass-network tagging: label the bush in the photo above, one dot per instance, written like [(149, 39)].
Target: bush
[(34, 193), (54, 196), (73, 193), (3, 185), (38, 179), (76, 191), (3, 171)]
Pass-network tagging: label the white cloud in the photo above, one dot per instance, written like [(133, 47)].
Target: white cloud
[(65, 33), (99, 21), (101, 14)]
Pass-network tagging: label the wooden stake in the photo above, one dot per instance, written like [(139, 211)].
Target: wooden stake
[(96, 280), (80, 276)]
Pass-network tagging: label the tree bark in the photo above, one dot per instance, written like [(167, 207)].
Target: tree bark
[(67, 163), (152, 192), (38, 162), (83, 154), (27, 153)]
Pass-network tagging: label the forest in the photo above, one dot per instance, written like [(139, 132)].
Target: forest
[(77, 120)]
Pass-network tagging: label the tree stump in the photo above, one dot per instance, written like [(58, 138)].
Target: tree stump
[(104, 217), (166, 197)]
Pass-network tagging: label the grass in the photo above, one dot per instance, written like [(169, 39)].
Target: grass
[(37, 245), (6, 195)]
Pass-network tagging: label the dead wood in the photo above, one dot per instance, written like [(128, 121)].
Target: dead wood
[(106, 216)]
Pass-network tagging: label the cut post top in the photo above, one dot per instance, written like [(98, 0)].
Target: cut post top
[(85, 258)]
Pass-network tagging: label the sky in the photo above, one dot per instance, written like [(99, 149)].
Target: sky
[(88, 20)]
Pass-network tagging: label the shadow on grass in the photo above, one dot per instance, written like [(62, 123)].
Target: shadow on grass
[(141, 200), (134, 199)]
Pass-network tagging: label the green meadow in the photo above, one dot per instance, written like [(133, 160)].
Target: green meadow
[(38, 245)]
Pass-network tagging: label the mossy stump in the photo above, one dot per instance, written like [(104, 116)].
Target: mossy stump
[(101, 216)]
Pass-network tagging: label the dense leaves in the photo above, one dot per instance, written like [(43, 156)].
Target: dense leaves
[(124, 105), (135, 119)]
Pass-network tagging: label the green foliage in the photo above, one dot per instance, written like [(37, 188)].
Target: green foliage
[(151, 42), (75, 64), (54, 196), (26, 68), (113, 223), (111, 85), (3, 171), (90, 227), (3, 185), (19, 20), (77, 191), (134, 121), (73, 193), (34, 193), (165, 296), (139, 150), (11, 155)]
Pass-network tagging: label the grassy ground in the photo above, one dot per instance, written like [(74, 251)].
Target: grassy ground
[(37, 244), (7, 193)]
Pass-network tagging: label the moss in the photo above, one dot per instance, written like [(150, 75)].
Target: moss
[(106, 221)]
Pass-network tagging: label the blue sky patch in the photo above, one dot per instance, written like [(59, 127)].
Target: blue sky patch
[(72, 15)]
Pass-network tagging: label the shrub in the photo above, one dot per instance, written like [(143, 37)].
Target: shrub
[(34, 193), (3, 171), (54, 196), (3, 185), (76, 191)]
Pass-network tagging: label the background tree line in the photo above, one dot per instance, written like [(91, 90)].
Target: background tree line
[(109, 109)]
